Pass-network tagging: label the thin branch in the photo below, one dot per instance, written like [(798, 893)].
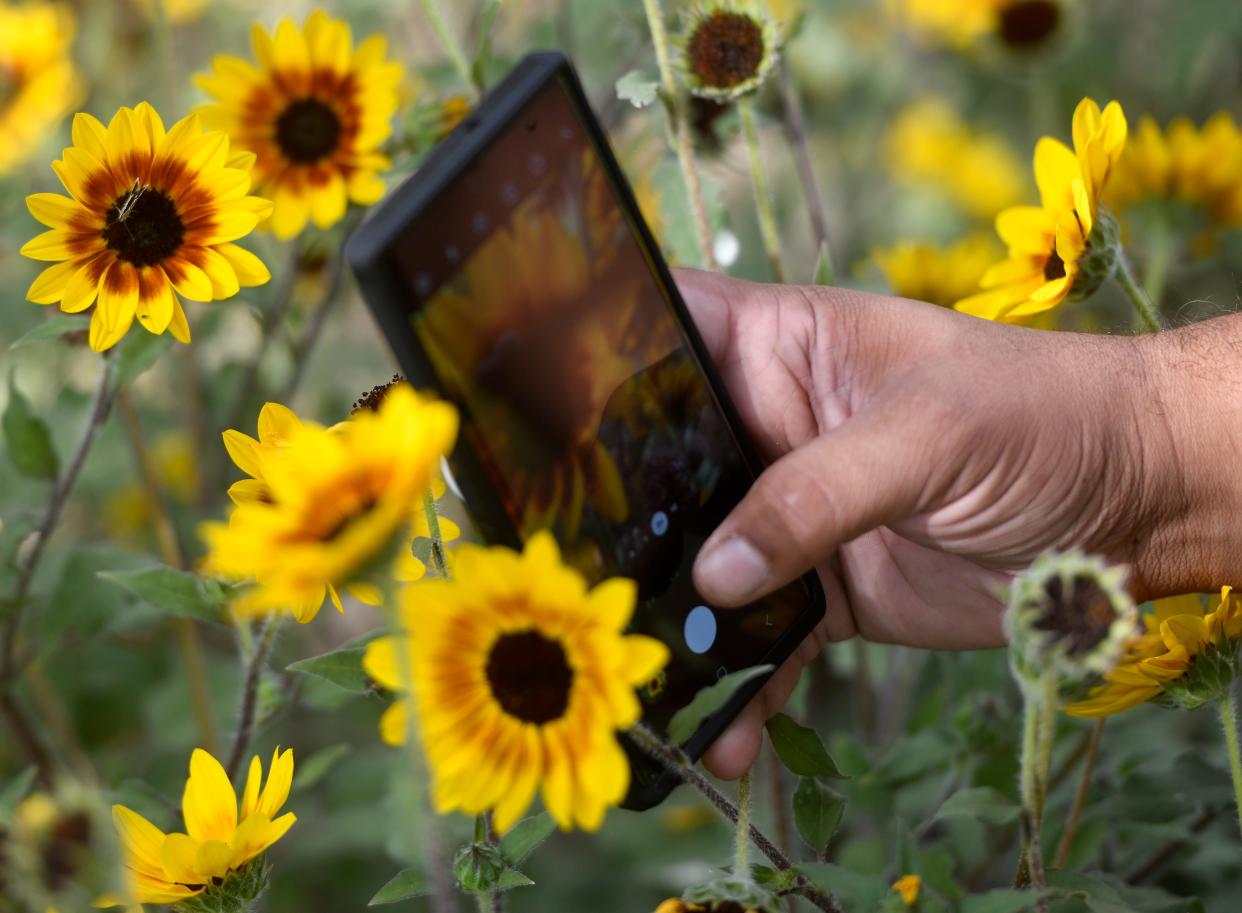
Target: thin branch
[(314, 327), (23, 729), (250, 695), (1080, 797), (795, 123), (676, 762)]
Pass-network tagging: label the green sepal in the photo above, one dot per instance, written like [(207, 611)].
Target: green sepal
[(741, 891), (236, 894)]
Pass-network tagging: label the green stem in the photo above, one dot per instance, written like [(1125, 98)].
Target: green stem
[(450, 44), (437, 538), (1048, 704), (681, 132), (1229, 720), (763, 201), (257, 657), (1124, 277), (1159, 257), (741, 841)]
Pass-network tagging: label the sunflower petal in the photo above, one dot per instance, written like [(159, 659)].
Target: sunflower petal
[(209, 803)]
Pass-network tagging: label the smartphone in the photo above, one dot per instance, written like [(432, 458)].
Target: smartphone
[(514, 275)]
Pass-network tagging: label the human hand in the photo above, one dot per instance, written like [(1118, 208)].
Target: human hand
[(920, 458)]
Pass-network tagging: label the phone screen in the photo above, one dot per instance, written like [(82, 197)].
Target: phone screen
[(541, 312)]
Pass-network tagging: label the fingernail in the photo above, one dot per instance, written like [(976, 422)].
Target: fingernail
[(734, 569)]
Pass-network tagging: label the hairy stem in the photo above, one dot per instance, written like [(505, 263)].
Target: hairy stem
[(741, 842), (448, 41), (768, 231), (437, 537), (1229, 721), (795, 124), (682, 140), (1080, 797), (677, 762), (1147, 312), (173, 554), (250, 694), (15, 604)]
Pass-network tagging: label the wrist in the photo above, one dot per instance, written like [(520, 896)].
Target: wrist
[(1188, 405)]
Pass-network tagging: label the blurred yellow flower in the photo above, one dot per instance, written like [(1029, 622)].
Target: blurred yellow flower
[(177, 12), (39, 84), (1177, 633), (1198, 166), (220, 839), (277, 424), (521, 677), (927, 143), (1019, 24), (908, 887), (1046, 242), (331, 501), (129, 510), (942, 275), (151, 214), (314, 110)]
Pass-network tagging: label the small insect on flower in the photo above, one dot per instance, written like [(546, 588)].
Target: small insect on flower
[(314, 110), (217, 854), (727, 48), (521, 677), (152, 214), (1069, 613)]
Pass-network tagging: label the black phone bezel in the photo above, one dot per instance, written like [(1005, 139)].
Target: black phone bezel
[(371, 256)]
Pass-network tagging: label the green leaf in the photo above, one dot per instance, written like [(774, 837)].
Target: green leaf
[(317, 766), (817, 813), (12, 795), (483, 59), (342, 668), (137, 352), (512, 878), (1002, 900), (404, 885), (54, 328), (525, 836), (175, 592), (27, 438), (1109, 894), (686, 721), (824, 273), (801, 749), (637, 89), (983, 803)]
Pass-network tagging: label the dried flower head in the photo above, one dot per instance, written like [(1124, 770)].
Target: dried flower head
[(371, 400), (728, 47), (1069, 612)]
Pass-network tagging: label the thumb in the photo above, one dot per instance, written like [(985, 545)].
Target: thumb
[(867, 472)]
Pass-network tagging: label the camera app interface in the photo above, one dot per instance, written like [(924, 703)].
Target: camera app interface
[(536, 304)]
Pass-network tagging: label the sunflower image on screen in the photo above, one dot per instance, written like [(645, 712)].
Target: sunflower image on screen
[(541, 326)]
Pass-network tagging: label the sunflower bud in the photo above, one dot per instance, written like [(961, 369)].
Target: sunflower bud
[(478, 867), (728, 47), (1099, 260), (730, 895), (1070, 613)]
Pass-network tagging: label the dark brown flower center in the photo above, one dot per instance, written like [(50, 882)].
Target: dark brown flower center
[(64, 851), (1054, 266), (725, 49), (143, 226), (9, 84), (308, 131), (373, 398), (1026, 24), (530, 676), (1078, 619)]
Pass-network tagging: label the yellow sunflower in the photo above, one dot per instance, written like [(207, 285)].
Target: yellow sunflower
[(220, 838), (151, 214), (941, 275), (907, 887), (1022, 25), (176, 12), (314, 110), (1197, 166), (521, 677), (38, 81), (577, 315), (1177, 632), (331, 501), (1047, 242)]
